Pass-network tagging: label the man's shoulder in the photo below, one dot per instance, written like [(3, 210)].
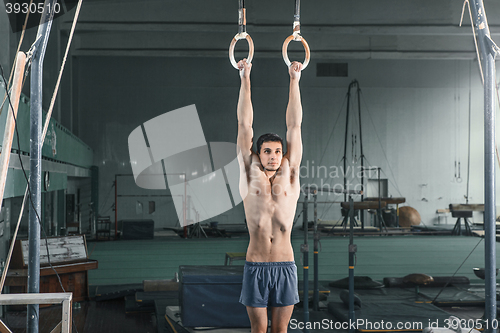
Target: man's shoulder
[(250, 161), (285, 162), (253, 158)]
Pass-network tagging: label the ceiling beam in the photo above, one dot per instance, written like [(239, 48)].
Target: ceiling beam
[(432, 30), (332, 55)]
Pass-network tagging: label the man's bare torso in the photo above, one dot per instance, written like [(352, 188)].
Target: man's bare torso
[(270, 205)]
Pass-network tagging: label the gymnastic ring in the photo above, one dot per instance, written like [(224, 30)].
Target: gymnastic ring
[(236, 38), (306, 49)]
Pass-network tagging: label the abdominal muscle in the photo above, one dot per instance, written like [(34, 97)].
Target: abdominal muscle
[(266, 246), (270, 223)]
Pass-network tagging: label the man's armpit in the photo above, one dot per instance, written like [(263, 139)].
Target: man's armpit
[(294, 172)]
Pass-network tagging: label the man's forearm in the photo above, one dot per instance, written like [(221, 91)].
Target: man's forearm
[(294, 109), (245, 111)]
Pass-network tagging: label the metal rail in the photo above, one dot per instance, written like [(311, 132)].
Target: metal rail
[(36, 96), (66, 299), (488, 50)]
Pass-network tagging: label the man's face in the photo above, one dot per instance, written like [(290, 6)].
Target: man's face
[(270, 155)]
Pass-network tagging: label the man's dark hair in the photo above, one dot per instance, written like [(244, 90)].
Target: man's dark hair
[(268, 137)]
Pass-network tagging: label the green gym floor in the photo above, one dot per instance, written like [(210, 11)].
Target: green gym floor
[(132, 261)]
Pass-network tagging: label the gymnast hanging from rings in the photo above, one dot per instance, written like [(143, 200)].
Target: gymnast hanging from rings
[(270, 186)]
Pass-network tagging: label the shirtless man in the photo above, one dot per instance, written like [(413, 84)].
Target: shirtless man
[(269, 184)]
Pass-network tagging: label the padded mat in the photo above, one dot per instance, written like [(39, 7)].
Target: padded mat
[(360, 282), (452, 296), (108, 292), (381, 295), (404, 316)]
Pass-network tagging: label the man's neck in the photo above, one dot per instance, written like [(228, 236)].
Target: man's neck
[(270, 173)]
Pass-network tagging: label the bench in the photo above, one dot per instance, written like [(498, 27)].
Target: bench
[(230, 256)]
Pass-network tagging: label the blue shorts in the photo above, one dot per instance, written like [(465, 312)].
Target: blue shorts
[(269, 283)]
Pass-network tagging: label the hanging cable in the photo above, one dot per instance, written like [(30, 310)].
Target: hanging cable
[(332, 131), (383, 151), (242, 34), (463, 262), (326, 209), (469, 139), (103, 203), (353, 142), (466, 2), (458, 158), (296, 36), (56, 89)]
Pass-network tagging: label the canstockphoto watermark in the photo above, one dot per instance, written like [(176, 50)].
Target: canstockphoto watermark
[(328, 324)]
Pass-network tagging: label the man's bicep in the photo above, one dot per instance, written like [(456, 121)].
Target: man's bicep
[(294, 146)]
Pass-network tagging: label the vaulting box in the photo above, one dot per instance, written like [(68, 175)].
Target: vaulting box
[(209, 296), (137, 229)]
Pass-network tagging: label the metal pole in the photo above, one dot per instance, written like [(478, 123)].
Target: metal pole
[(468, 138), (362, 157), (185, 207), (36, 96), (352, 251), (488, 57), (316, 265), (379, 211), (305, 258), (489, 188), (116, 207), (94, 192), (297, 11), (242, 21), (345, 139)]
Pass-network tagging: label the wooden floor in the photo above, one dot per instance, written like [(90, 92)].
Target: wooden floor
[(92, 317)]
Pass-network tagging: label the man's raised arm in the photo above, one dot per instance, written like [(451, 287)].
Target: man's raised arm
[(245, 114), (294, 118)]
